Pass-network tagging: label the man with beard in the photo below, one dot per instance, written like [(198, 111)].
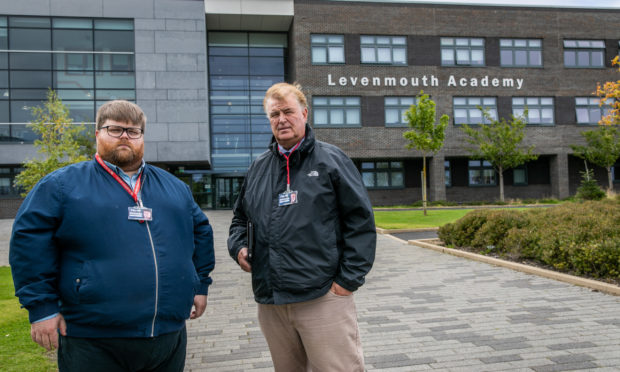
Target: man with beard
[(112, 254)]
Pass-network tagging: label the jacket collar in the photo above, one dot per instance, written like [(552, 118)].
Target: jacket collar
[(305, 147)]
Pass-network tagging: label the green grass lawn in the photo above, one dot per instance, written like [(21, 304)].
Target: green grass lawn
[(417, 220), (19, 352)]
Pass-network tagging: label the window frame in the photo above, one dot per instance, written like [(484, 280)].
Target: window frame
[(539, 105), (473, 106), (390, 170), (483, 165), (448, 44), (593, 104), (333, 107), (375, 45), (326, 45), (522, 167), (72, 53), (401, 107), (528, 49), (590, 49)]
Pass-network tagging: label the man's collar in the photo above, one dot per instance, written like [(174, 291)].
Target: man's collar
[(118, 170), (283, 150)]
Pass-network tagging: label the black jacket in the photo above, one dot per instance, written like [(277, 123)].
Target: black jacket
[(328, 235)]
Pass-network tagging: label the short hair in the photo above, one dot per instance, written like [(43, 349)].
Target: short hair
[(280, 91), (121, 110)]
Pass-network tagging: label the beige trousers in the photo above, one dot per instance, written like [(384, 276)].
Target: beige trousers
[(320, 335)]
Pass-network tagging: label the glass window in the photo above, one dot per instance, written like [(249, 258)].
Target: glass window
[(481, 173), (519, 176), (114, 41), (383, 174), (337, 111), (462, 51), (72, 40), (391, 50), (58, 53), (584, 53), (590, 111), (26, 61), (242, 66), (468, 110), (327, 49), (448, 172), (539, 109), (395, 108), (30, 39), (520, 52)]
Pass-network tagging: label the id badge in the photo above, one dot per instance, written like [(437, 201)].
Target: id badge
[(140, 214), (287, 198)]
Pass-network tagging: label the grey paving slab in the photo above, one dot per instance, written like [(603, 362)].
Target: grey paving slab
[(421, 310)]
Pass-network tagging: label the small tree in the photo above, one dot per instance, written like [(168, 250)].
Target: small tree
[(500, 144), (61, 142), (425, 136), (589, 188), (602, 149), (610, 94)]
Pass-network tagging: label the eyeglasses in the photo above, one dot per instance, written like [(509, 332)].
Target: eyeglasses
[(116, 131)]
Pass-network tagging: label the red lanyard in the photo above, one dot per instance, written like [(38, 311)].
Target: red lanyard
[(288, 169), (136, 189)]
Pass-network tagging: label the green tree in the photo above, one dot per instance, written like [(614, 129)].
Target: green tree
[(425, 135), (61, 142), (602, 148), (500, 144)]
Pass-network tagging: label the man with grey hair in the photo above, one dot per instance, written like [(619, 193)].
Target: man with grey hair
[(112, 254), (304, 227)]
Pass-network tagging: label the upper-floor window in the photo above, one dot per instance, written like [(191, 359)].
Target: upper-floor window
[(539, 109), (584, 53), (481, 173), (327, 49), (589, 110), (383, 174), (395, 108), (462, 51), (337, 111), (520, 52), (87, 61), (468, 110), (389, 50)]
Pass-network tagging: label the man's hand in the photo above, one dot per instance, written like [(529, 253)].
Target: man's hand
[(200, 304), (45, 333), (242, 257), (338, 290)]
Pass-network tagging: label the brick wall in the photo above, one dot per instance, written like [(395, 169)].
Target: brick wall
[(424, 25)]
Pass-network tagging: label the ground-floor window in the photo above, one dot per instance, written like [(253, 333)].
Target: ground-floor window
[(383, 174), (481, 173), (446, 166), (519, 176), (7, 179)]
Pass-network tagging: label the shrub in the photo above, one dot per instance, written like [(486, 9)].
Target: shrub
[(583, 238)]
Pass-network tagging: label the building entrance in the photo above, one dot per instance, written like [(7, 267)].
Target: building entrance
[(226, 191)]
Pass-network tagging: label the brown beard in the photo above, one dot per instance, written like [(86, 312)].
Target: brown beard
[(125, 161)]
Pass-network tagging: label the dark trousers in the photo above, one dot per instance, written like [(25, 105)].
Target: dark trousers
[(165, 353)]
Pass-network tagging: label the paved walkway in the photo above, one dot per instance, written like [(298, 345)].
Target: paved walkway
[(422, 310)]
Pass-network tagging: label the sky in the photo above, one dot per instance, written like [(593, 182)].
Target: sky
[(587, 4)]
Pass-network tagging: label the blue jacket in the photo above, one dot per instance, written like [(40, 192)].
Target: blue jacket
[(73, 250)]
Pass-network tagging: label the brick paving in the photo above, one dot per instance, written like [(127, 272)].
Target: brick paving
[(420, 311)]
